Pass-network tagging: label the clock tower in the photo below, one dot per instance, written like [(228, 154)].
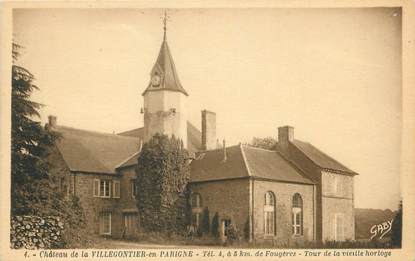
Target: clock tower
[(165, 99)]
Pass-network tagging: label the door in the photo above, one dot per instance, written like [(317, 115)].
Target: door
[(130, 224)]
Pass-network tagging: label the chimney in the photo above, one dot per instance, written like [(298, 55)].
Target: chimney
[(224, 151), (52, 121), (208, 130), (285, 135)]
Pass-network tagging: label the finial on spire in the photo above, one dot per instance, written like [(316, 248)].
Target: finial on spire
[(165, 18)]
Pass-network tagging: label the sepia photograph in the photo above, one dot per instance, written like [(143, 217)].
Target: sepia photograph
[(216, 128)]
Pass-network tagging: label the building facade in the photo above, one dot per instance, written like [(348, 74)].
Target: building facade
[(292, 194)]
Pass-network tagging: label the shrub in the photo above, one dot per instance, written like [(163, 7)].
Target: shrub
[(215, 225), (246, 229), (205, 225)]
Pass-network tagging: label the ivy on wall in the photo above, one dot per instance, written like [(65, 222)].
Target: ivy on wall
[(163, 174)]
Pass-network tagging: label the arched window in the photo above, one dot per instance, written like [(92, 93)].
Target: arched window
[(269, 214), (196, 209), (297, 215)]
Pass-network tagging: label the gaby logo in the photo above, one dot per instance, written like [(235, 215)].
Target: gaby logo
[(381, 229)]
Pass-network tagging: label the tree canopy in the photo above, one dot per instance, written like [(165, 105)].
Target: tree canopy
[(267, 143)]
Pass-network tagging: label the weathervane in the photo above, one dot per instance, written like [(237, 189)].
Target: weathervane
[(165, 19)]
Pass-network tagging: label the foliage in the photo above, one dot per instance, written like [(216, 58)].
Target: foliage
[(232, 234), (246, 229), (267, 143), (33, 190), (366, 218), (205, 224), (396, 233), (215, 225), (163, 173), (30, 143)]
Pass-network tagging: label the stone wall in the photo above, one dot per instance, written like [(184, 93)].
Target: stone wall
[(313, 172), (81, 185), (93, 206), (230, 198), (284, 193)]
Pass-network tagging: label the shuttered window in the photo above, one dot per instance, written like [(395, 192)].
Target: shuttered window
[(339, 227), (105, 188), (96, 188), (116, 189)]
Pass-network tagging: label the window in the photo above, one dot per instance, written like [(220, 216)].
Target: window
[(133, 188), (338, 227), (105, 223), (196, 209), (130, 221), (297, 215), (269, 214), (116, 189), (105, 188)]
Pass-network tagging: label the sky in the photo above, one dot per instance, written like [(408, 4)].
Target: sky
[(333, 74)]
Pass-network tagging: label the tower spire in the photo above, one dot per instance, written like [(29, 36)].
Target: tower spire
[(165, 24)]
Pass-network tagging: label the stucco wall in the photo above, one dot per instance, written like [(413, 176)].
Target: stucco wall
[(284, 193), (158, 117), (337, 199)]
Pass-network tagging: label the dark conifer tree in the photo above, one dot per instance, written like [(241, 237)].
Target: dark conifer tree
[(29, 144), (396, 233)]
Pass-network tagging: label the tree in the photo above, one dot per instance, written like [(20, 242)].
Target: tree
[(29, 144), (267, 143), (163, 173), (215, 225), (396, 233), (33, 190)]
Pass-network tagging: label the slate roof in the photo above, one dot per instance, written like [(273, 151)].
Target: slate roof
[(244, 161), (165, 67), (89, 151), (321, 159)]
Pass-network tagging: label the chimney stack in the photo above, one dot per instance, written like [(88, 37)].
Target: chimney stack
[(285, 135), (208, 130), (224, 151), (52, 121)]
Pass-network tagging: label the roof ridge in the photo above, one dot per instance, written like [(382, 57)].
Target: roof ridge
[(245, 160), (97, 132), (257, 148), (127, 159)]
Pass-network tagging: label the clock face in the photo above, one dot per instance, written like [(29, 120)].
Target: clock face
[(155, 81)]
